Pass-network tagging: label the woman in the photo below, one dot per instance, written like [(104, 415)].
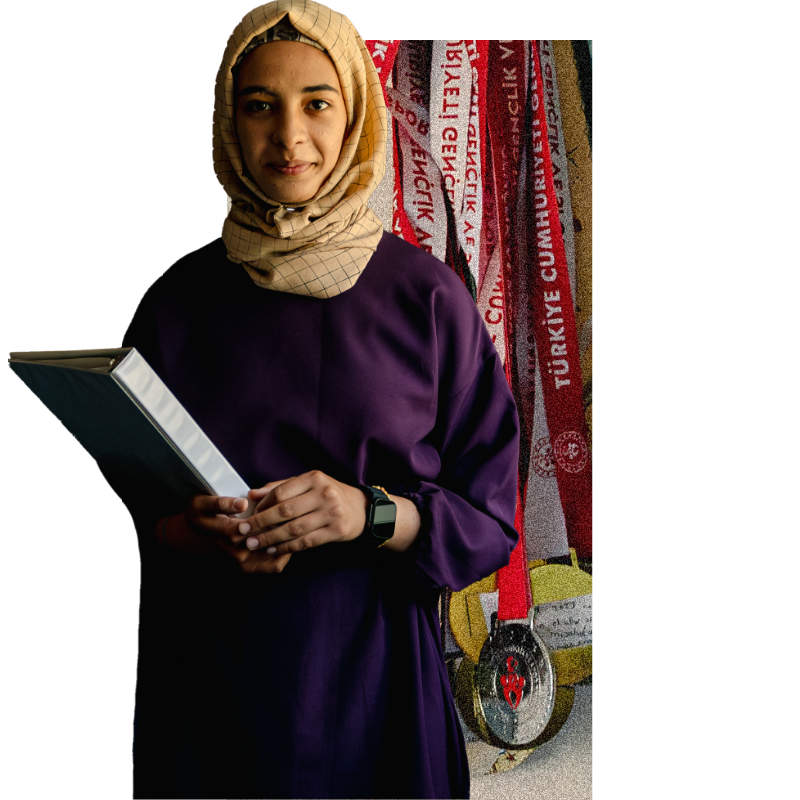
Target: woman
[(348, 375)]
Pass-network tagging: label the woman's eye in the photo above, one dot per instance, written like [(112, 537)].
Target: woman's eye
[(263, 105)]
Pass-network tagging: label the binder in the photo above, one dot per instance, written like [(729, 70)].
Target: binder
[(124, 415)]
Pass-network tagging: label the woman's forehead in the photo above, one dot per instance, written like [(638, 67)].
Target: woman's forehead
[(287, 62)]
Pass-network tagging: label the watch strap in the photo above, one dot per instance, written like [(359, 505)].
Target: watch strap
[(374, 535)]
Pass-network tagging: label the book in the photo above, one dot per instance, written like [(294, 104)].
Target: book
[(124, 415)]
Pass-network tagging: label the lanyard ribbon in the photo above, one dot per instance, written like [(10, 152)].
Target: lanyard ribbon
[(554, 331), (420, 186), (506, 122), (384, 55), (455, 147), (437, 103)]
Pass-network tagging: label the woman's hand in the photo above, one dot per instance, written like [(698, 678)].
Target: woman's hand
[(303, 512), (209, 526)]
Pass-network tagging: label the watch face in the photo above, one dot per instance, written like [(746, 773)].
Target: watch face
[(384, 512)]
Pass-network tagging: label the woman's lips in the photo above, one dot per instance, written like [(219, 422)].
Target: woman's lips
[(292, 168)]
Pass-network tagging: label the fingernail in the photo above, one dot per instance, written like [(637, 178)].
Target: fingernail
[(244, 528), (240, 504), (252, 543), (272, 550)]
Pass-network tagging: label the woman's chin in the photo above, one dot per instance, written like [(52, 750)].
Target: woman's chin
[(288, 190), (290, 198)]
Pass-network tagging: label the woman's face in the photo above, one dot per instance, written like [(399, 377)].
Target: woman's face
[(290, 119)]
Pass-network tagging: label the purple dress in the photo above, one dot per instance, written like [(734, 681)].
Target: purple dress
[(328, 679)]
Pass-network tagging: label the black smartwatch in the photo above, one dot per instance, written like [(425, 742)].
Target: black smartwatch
[(381, 516)]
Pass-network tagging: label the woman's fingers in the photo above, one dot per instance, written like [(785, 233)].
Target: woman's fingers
[(301, 512), (285, 501), (209, 522), (298, 528), (208, 505), (262, 495), (215, 515)]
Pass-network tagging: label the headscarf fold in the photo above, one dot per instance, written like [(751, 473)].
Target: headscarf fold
[(318, 248)]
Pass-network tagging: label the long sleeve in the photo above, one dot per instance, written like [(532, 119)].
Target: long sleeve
[(467, 511)]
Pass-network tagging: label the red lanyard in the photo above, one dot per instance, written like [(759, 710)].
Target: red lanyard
[(554, 332), (507, 101), (383, 52)]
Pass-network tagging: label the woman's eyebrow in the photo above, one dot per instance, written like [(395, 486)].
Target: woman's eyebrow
[(320, 87)]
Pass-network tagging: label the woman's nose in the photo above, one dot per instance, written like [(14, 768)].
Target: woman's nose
[(290, 129)]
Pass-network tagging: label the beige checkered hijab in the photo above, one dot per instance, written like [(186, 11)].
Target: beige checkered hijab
[(321, 247)]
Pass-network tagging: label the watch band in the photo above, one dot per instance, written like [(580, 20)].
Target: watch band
[(381, 517)]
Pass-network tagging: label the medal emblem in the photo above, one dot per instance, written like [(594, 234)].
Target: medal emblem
[(512, 682)]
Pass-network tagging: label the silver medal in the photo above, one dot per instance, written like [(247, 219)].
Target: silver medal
[(515, 683)]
